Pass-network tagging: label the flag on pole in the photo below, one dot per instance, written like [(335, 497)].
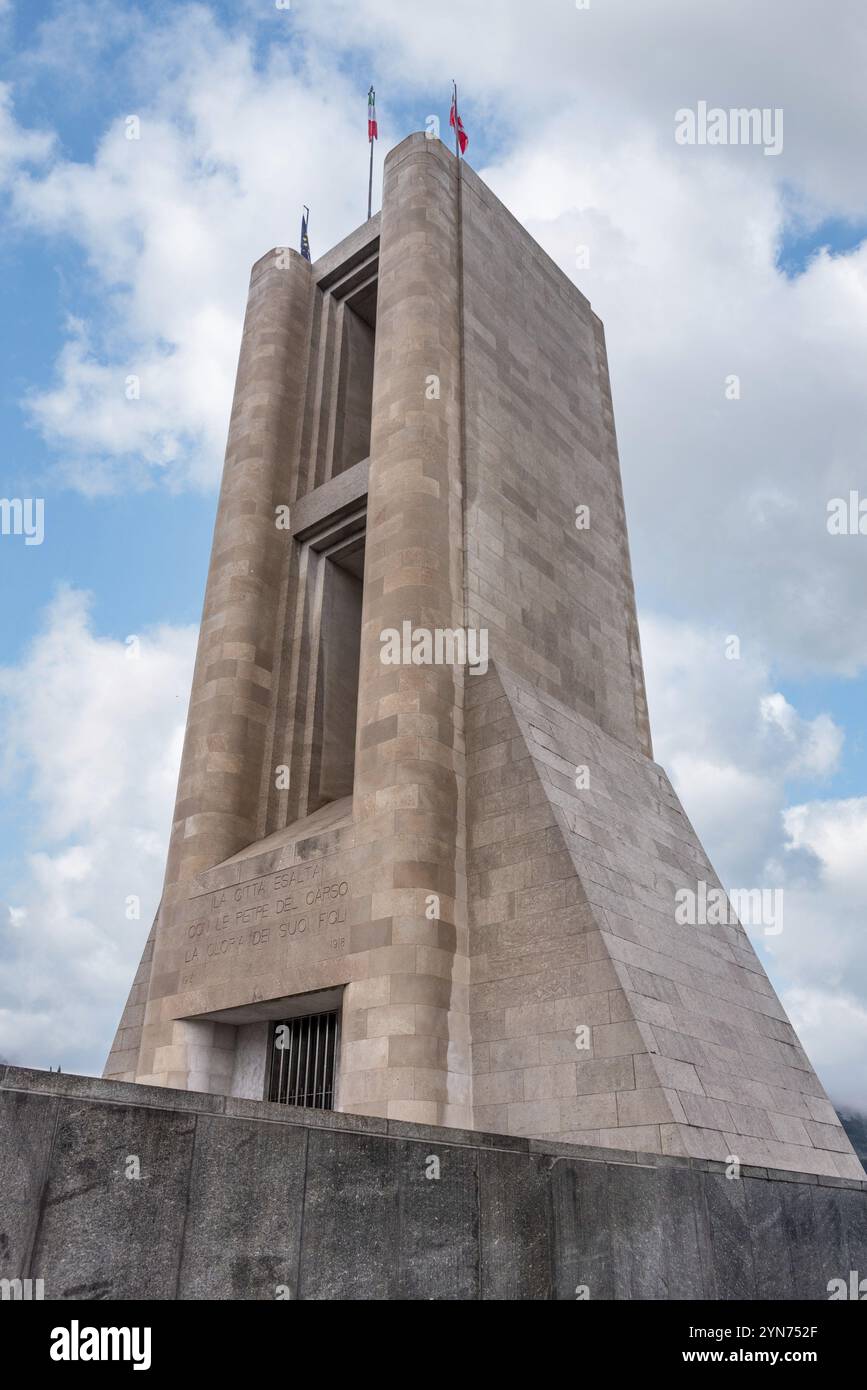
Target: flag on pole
[(372, 134), (456, 123), (372, 127), (305, 243)]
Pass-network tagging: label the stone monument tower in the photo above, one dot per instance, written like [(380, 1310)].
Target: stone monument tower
[(422, 864)]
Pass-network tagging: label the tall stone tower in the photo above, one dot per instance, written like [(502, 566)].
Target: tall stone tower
[(407, 879)]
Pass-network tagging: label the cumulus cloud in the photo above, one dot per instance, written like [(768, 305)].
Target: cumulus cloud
[(18, 146), (729, 740), (736, 388), (815, 745), (732, 745), (594, 63), (92, 732), (833, 1029), (824, 943), (727, 497), (170, 222), (822, 951)]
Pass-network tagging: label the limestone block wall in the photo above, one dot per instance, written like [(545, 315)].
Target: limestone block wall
[(558, 601), (687, 1049), (220, 783), (408, 1055), (249, 703), (403, 965), (467, 903)]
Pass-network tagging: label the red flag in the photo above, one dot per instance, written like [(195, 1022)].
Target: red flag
[(456, 123), (372, 127)]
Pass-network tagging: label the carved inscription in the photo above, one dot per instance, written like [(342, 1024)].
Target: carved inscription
[(289, 905)]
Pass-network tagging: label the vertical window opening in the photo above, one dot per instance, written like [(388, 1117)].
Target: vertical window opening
[(333, 744), (355, 388)]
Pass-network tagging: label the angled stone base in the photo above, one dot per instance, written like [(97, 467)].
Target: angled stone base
[(572, 896), (570, 900)]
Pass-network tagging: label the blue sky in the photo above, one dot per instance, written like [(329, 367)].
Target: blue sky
[(142, 556), (119, 257)]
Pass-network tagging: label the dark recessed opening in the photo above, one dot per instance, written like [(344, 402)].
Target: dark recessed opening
[(333, 748), (355, 382), (301, 1061)]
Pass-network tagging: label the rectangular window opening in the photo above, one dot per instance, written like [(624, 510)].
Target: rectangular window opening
[(355, 381), (301, 1064), (333, 744)]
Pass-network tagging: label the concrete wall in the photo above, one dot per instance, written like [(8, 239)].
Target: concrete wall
[(238, 1198)]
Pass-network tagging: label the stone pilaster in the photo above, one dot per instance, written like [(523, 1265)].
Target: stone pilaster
[(409, 1050)]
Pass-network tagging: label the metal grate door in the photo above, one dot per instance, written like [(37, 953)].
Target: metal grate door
[(301, 1067)]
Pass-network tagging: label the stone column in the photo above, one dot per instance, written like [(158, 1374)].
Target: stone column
[(217, 807), (409, 774), (220, 786)]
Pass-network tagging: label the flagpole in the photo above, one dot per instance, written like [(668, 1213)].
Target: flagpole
[(370, 186), (370, 180)]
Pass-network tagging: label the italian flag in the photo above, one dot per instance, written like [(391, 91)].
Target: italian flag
[(372, 128), (457, 124)]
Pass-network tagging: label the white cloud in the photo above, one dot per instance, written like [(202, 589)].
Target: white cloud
[(731, 745), (822, 950), (523, 63), (729, 740), (18, 146), (833, 1029), (171, 223), (92, 737), (836, 832), (815, 745), (727, 499)]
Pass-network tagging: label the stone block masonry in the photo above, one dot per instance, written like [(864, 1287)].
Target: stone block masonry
[(474, 866), (117, 1191), (686, 1047)]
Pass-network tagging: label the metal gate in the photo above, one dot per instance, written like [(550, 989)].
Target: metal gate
[(301, 1066)]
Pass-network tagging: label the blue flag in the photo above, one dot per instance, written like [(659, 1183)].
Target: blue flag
[(305, 243)]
